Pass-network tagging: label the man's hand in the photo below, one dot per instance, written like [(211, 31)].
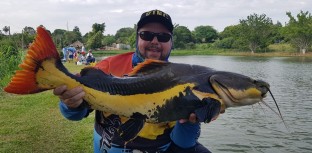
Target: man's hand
[(192, 119), (71, 98)]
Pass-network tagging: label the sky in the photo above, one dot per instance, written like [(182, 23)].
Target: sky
[(117, 14)]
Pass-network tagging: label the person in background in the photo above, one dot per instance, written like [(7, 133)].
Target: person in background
[(90, 57), (82, 58), (71, 51), (64, 51), (76, 55), (83, 49), (70, 56), (153, 41)]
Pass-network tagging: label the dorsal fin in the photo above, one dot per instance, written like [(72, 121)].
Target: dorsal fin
[(91, 71), (148, 66)]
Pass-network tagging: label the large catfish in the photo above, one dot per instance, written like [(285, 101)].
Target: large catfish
[(154, 92)]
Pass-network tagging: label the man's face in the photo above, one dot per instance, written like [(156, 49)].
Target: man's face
[(154, 49)]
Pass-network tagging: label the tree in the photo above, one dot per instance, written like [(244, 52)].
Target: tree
[(64, 38), (58, 36), (299, 31), (230, 31), (225, 43), (230, 38), (276, 33), (256, 31), (6, 30), (96, 27), (182, 37), (86, 36), (78, 33), (29, 30), (108, 40), (28, 35), (94, 38), (95, 41), (59, 32), (132, 40), (123, 35), (76, 29), (205, 34), (70, 37)]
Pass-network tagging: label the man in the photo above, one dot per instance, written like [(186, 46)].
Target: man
[(154, 41), (70, 51)]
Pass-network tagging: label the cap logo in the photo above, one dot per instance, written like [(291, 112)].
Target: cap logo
[(157, 12)]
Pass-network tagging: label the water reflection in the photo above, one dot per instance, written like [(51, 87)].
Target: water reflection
[(300, 59), (250, 59)]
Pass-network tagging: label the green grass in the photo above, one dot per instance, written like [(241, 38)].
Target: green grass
[(7, 66), (109, 52), (282, 48), (33, 123)]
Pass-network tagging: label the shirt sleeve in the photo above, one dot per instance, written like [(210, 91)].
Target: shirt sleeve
[(185, 135), (73, 114)]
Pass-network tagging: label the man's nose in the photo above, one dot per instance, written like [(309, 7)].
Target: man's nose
[(155, 40)]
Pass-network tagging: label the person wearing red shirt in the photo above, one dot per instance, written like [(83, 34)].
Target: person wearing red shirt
[(154, 41)]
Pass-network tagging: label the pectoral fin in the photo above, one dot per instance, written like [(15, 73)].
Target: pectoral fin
[(130, 129), (209, 111)]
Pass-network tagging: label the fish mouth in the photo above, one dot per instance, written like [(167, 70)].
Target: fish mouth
[(237, 90)]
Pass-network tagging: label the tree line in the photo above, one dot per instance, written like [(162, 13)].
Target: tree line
[(254, 33)]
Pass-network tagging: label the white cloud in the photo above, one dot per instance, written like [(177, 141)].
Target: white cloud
[(117, 11), (116, 14)]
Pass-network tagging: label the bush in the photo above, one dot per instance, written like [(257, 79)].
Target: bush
[(225, 43), (8, 65), (282, 47), (190, 45), (203, 46), (8, 48)]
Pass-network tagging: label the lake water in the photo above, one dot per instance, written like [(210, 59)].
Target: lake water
[(256, 128)]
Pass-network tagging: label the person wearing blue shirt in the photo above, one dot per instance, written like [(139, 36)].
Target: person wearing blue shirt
[(153, 41)]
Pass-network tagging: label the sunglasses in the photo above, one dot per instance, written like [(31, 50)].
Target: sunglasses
[(149, 36)]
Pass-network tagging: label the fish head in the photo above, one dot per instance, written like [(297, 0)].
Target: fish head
[(238, 90)]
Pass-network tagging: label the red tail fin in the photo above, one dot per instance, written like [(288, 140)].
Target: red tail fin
[(24, 80)]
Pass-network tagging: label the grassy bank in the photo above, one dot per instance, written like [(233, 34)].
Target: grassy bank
[(276, 50), (33, 123)]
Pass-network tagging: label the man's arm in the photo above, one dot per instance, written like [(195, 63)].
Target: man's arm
[(74, 114), (71, 104), (186, 132), (185, 136)]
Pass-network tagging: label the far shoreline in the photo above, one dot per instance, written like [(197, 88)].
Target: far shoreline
[(101, 53)]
